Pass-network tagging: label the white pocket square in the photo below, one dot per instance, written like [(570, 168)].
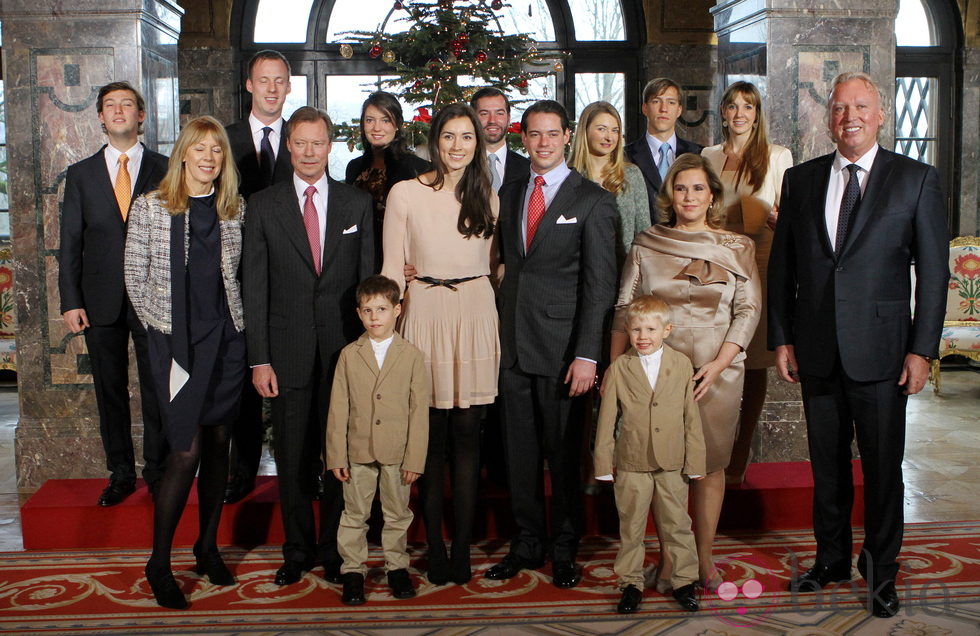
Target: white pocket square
[(562, 220), (350, 230)]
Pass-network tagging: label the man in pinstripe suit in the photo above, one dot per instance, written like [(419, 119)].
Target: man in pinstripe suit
[(557, 241)]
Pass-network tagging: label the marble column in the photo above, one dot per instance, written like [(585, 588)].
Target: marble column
[(792, 49), (970, 161), (56, 56)]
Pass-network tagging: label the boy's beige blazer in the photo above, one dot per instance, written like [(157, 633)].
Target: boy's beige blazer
[(660, 429), (379, 415)]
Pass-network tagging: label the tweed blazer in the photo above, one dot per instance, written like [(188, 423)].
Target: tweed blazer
[(660, 429), (147, 261), (379, 415)]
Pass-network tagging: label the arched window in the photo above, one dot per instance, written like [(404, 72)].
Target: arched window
[(600, 37), (927, 36)]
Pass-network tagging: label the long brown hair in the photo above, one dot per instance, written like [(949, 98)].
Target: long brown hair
[(474, 190), (173, 189), (755, 158), (613, 175)]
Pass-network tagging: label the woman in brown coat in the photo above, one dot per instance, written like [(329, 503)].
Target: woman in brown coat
[(709, 278)]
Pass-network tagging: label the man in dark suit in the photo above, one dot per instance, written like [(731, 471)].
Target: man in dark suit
[(557, 241), (262, 158), (493, 109), (308, 243), (98, 193), (663, 104), (851, 224)]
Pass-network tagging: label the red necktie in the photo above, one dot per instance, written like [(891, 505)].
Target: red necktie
[(312, 223), (535, 210)]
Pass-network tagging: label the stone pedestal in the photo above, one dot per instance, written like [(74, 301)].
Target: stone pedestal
[(56, 56)]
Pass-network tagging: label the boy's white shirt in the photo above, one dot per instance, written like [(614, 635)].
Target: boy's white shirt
[(381, 349)]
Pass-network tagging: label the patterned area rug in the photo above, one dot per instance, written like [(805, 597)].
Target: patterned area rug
[(105, 592)]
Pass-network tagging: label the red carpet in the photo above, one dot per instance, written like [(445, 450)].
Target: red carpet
[(62, 514), (105, 592)]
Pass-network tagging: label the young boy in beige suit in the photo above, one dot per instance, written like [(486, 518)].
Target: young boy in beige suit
[(377, 433), (659, 442)]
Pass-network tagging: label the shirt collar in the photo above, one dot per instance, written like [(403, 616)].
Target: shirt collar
[(553, 176), (656, 143), (134, 153), (865, 161), (384, 344), (501, 153), (652, 357), (301, 186), (257, 126)]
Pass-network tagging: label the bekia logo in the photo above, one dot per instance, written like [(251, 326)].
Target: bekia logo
[(732, 602)]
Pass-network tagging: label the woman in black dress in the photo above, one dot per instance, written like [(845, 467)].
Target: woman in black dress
[(183, 246), (386, 159)]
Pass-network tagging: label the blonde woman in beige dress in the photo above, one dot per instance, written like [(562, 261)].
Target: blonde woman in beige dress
[(709, 278), (751, 170), (442, 223)]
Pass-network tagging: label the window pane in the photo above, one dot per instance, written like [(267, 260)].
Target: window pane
[(297, 95), (282, 20), (598, 19), (914, 26), (358, 15), (915, 117), (593, 87), (532, 17), (537, 88)]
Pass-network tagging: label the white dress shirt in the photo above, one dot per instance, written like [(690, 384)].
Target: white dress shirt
[(839, 175), (501, 160), (381, 349), (651, 366), (552, 183), (257, 134), (319, 201), (655, 144), (135, 155)]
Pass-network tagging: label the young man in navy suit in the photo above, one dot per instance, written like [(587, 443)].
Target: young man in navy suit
[(663, 104), (493, 110), (850, 226), (98, 193), (260, 151)]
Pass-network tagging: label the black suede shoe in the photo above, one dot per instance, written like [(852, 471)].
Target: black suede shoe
[(508, 568), (686, 597), (629, 602), (884, 601), (116, 491), (400, 584), (211, 564), (353, 589), (564, 574), (820, 576), (291, 572), (238, 487), (164, 586)]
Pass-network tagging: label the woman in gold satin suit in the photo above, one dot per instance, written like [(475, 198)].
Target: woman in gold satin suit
[(709, 278)]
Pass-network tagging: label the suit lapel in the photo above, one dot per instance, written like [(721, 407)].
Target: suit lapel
[(879, 175), (291, 218), (517, 212), (391, 358), (639, 377), (143, 176), (818, 202), (644, 159), (564, 200), (105, 181), (366, 353), (336, 206)]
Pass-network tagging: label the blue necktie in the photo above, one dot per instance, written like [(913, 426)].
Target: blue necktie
[(664, 165)]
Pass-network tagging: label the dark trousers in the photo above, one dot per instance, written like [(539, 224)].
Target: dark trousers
[(838, 409), (539, 424), (246, 433), (298, 419), (108, 347)]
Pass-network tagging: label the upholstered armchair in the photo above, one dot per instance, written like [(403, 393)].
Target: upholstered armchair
[(961, 330)]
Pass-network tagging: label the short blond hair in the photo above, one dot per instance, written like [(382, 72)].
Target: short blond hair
[(648, 305)]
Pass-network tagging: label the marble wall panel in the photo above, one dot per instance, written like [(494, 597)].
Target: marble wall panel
[(692, 67), (209, 84), (970, 158)]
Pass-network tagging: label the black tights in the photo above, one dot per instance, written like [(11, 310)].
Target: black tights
[(210, 450), (456, 430)]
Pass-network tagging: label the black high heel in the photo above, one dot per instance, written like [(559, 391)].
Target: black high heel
[(461, 564), (211, 564), (438, 573), (164, 586)]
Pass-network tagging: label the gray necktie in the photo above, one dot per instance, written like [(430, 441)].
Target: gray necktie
[(495, 177), (662, 168)]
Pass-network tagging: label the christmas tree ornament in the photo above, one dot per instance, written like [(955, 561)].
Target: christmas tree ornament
[(559, 66), (446, 4), (347, 51), (388, 56), (523, 90), (375, 51), (398, 6), (522, 83), (497, 5), (481, 56), (464, 38)]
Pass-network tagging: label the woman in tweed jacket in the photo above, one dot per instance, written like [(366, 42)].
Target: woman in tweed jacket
[(183, 246)]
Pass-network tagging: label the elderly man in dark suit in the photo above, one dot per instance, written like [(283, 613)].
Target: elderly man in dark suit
[(557, 235), (308, 243), (98, 193), (851, 224), (262, 158), (655, 152)]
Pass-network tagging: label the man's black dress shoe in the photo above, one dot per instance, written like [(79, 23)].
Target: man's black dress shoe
[(400, 584), (629, 602), (353, 589), (564, 574), (820, 576), (331, 571), (884, 601), (238, 487), (211, 564), (508, 568), (686, 598), (291, 572), (164, 586), (116, 491)]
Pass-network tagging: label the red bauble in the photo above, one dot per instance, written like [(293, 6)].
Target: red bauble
[(497, 5), (375, 50), (522, 83), (417, 85), (481, 56), (398, 6)]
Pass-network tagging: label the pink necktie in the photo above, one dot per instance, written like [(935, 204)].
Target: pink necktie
[(312, 223), (535, 210)]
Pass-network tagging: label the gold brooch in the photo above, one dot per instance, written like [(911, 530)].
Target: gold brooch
[(730, 240)]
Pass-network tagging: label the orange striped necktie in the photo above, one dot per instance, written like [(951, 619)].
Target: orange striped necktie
[(123, 187)]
